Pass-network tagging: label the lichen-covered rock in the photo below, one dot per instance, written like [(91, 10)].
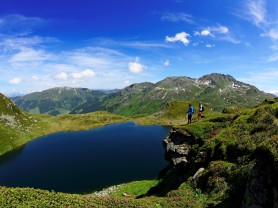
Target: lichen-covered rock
[(177, 147)]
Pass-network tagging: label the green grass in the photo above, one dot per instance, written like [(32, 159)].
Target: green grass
[(234, 143), (135, 188), (29, 197)]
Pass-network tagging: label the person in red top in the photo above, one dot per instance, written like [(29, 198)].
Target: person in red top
[(200, 110)]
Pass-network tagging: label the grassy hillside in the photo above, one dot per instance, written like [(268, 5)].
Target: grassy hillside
[(237, 149), (15, 126), (174, 113), (239, 154), (59, 101)]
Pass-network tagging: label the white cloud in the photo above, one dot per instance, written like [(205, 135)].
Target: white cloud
[(16, 23), (275, 92), (182, 37), (105, 42), (127, 82), (84, 74), (273, 34), (15, 80), (205, 32), (89, 58), (210, 45), (195, 44), (28, 54), (219, 29), (135, 67), (255, 12), (19, 43), (265, 79), (62, 76), (210, 31), (166, 63), (142, 45), (35, 78), (177, 17), (229, 38), (218, 32)]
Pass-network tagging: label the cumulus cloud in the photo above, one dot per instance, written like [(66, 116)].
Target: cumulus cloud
[(205, 32), (135, 67), (15, 80), (181, 37), (177, 17), (166, 63), (62, 76), (83, 74)]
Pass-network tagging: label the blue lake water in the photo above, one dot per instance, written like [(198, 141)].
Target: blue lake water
[(85, 161)]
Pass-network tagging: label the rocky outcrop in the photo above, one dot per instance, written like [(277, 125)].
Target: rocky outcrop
[(177, 147)]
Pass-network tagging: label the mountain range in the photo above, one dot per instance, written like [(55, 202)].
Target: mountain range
[(59, 100), (215, 91), (225, 160)]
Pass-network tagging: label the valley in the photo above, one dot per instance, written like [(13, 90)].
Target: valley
[(208, 159)]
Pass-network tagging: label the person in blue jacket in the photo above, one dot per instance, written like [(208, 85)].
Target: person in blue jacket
[(190, 113)]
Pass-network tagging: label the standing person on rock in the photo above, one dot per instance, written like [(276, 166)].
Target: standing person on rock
[(190, 113), (200, 111)]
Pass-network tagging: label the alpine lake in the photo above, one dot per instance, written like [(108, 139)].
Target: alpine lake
[(87, 161)]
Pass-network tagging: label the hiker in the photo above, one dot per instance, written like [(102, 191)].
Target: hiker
[(200, 110), (190, 113)]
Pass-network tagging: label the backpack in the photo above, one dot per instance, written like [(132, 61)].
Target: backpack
[(203, 108)]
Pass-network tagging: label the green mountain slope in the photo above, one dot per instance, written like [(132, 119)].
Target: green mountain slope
[(229, 159), (226, 160), (15, 125), (59, 100), (215, 91)]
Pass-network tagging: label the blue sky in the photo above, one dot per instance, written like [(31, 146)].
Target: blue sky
[(111, 44)]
